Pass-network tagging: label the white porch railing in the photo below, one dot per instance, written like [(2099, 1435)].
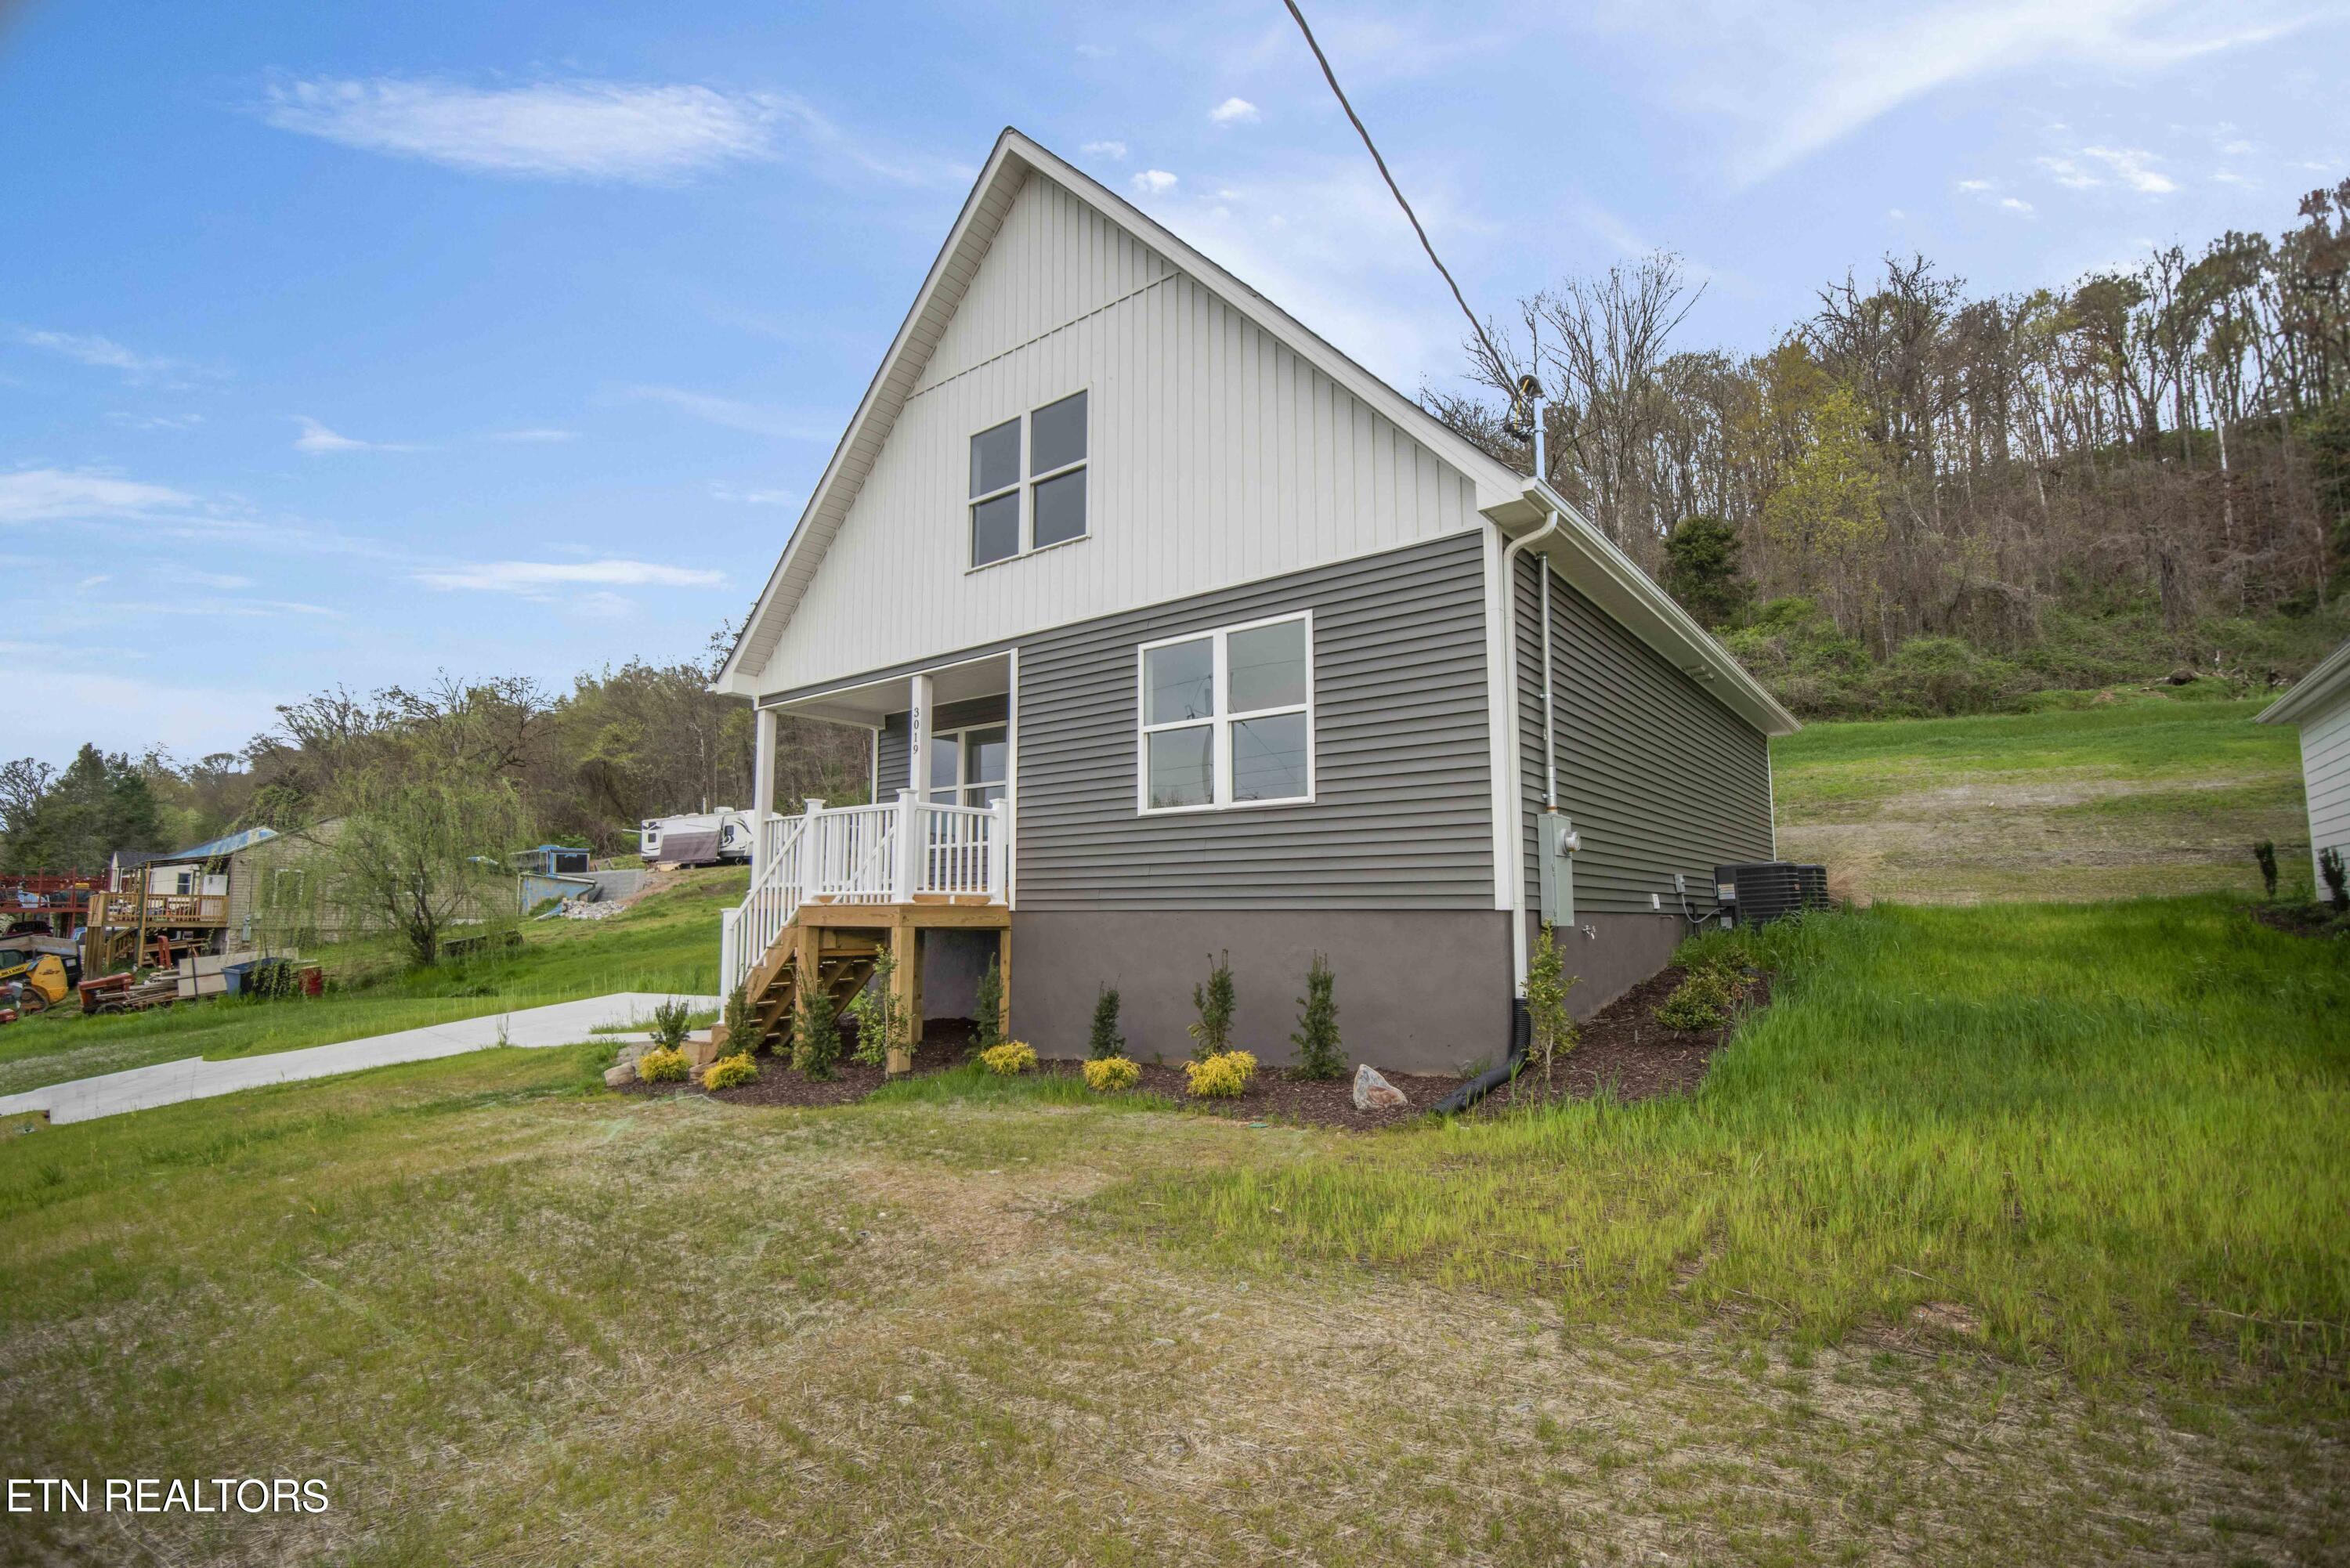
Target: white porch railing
[(890, 853)]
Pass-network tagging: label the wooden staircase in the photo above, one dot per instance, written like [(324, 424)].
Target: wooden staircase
[(841, 960)]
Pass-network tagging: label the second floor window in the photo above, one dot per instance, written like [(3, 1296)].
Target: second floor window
[(1028, 481)]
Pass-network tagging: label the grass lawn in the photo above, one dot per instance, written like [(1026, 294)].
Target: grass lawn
[(2099, 796), (666, 943), (2006, 1235)]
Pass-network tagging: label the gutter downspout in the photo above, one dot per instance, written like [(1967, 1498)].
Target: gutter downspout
[(1510, 553)]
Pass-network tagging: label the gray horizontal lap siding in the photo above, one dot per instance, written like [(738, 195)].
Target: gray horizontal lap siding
[(1657, 775), (1402, 815), (897, 745)]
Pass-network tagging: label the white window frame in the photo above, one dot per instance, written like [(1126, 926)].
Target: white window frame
[(1015, 490), (963, 786), (1026, 483), (1220, 722)]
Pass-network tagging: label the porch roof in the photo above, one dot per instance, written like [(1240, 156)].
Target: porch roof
[(867, 703)]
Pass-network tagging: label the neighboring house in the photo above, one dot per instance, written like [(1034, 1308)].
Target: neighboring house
[(1180, 634), (2319, 704)]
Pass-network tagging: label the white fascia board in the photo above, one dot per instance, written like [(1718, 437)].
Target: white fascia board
[(1590, 560), (2313, 691)]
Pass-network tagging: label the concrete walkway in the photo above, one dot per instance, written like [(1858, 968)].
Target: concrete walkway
[(195, 1078)]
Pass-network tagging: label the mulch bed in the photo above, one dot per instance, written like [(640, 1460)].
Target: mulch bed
[(1622, 1051), (2302, 920)]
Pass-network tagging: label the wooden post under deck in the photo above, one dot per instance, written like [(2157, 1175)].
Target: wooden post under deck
[(1004, 975), (906, 982)]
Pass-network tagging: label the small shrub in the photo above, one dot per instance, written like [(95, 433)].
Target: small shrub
[(1551, 1032), (673, 1019), (880, 1014), (1223, 1076), (1105, 1042), (662, 1064), (1701, 1001), (1009, 1059), (1319, 1054), (1213, 1035), (987, 1029), (2337, 886), (729, 1071), (2264, 852), (816, 1035), (742, 1022), (1108, 1074)]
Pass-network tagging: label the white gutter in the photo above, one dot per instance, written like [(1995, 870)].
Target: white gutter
[(1510, 553)]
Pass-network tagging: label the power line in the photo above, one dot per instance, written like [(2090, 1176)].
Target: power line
[(1364, 131)]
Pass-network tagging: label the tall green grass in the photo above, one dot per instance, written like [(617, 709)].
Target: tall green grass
[(2114, 1133)]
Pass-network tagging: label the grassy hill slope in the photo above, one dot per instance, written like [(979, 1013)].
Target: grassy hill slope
[(2095, 795)]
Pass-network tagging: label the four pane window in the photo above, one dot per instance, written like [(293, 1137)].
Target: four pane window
[(1228, 716), (1054, 482)]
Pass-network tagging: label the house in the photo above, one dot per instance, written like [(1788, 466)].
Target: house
[(1178, 634), (2319, 704)]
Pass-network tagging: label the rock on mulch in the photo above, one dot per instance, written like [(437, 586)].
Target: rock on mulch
[(1272, 1098)]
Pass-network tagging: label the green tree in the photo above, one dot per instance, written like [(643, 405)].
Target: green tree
[(1829, 515), (100, 804), (1319, 1054), (1104, 1041), (416, 850), (1214, 1002), (1701, 571), (1547, 984)]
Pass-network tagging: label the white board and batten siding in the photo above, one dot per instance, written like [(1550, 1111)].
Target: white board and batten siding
[(2326, 774), (1215, 456)]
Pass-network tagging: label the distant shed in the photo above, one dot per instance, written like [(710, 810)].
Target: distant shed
[(2319, 704)]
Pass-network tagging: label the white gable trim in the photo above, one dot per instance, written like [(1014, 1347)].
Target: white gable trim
[(1007, 169), (1506, 497)]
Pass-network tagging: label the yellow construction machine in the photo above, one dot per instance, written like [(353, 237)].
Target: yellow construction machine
[(33, 974)]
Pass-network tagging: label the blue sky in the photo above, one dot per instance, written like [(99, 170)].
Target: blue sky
[(351, 343)]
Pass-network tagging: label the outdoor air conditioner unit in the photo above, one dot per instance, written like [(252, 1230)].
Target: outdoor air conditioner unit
[(1757, 893)]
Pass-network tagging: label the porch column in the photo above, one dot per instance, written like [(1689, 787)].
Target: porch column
[(762, 787), (918, 737)]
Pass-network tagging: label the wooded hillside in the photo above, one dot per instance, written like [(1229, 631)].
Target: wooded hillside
[(1921, 499)]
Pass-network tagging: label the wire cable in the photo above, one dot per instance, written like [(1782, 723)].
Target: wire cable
[(1331, 77)]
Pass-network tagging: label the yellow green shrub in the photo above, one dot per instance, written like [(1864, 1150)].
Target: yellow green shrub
[(1110, 1073), (658, 1066), (1012, 1056), (1223, 1076), (729, 1071)]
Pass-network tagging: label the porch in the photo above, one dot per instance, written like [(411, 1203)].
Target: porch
[(834, 887)]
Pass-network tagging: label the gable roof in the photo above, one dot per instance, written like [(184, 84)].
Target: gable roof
[(2310, 692), (1503, 494), (213, 849)]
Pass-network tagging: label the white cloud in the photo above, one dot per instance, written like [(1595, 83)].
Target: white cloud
[(50, 494), (1095, 51), (88, 348), (90, 582), (2092, 167), (1972, 185), (721, 490), (1154, 181), (2014, 204), (1235, 112), (155, 422), (240, 609), (535, 437), (127, 713), (317, 438), (1799, 79), (757, 419), (1114, 151), (532, 578), (604, 604), (564, 130), (211, 579)]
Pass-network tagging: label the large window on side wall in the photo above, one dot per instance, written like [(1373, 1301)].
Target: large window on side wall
[(1227, 718), (1028, 481)]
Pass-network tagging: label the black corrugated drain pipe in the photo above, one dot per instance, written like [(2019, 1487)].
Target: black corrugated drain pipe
[(1521, 1039)]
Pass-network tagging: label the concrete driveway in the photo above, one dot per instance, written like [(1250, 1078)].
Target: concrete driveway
[(195, 1078)]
